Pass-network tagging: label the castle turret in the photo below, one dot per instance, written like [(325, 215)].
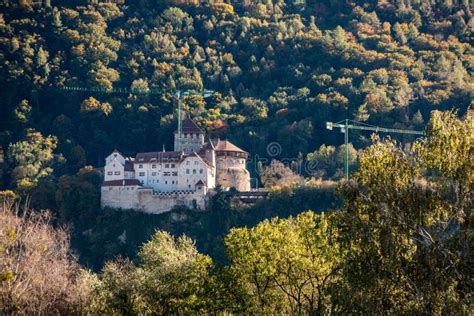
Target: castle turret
[(231, 166), (210, 153), (190, 139)]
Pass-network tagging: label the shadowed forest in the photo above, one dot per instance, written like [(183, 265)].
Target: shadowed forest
[(81, 78)]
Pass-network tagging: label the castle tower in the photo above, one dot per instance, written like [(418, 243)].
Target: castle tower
[(210, 153), (231, 166), (191, 138)]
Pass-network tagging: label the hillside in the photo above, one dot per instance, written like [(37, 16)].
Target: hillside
[(280, 71)]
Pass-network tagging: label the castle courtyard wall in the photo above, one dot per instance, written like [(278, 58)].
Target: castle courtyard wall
[(148, 201)]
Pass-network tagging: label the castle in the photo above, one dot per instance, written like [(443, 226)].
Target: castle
[(156, 182)]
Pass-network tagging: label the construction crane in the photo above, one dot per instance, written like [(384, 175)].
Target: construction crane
[(345, 127), (178, 94)]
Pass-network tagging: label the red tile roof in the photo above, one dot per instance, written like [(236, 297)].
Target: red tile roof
[(119, 183), (225, 145)]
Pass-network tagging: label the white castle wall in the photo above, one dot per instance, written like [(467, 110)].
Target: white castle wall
[(124, 197), (148, 201)]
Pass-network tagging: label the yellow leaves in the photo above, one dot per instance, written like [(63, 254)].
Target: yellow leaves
[(78, 50), (224, 8), (7, 195), (6, 276), (284, 254)]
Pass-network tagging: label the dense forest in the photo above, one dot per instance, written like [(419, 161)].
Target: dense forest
[(279, 69), (80, 78)]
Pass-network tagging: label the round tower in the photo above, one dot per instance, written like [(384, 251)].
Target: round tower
[(231, 171)]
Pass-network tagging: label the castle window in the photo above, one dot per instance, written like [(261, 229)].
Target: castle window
[(189, 186), (153, 174), (195, 163), (172, 165), (167, 165), (172, 182), (194, 171), (117, 173), (153, 166), (187, 171), (201, 171), (141, 174), (109, 173), (187, 163), (140, 166), (114, 165), (166, 174), (166, 182), (174, 173)]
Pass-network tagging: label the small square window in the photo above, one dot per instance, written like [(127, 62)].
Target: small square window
[(172, 165), (153, 166), (110, 173), (141, 174), (153, 174), (117, 173), (201, 171), (187, 171), (167, 165), (140, 166)]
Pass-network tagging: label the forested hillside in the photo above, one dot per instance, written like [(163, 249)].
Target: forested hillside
[(400, 243), (280, 69)]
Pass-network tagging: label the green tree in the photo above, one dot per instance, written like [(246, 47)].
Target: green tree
[(32, 159), (408, 241), (286, 265), (170, 280)]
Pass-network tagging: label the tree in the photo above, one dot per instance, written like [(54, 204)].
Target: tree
[(286, 265), (408, 240), (341, 156), (38, 273), (32, 159), (169, 280), (23, 112), (277, 174), (92, 105)]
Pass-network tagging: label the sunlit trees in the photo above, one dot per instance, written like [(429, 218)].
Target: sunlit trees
[(285, 265), (404, 219), (32, 159), (169, 280), (279, 174), (38, 273)]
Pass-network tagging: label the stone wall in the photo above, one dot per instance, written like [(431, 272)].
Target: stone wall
[(145, 200), (231, 173)]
